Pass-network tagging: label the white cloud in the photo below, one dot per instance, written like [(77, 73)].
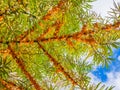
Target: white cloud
[(113, 79), (102, 6)]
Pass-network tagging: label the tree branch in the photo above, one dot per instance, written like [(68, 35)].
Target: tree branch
[(54, 10), (57, 65), (23, 68), (10, 85)]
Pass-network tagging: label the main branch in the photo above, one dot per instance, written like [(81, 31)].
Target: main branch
[(57, 65), (23, 68)]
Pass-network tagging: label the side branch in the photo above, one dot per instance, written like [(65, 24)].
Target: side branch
[(108, 27), (23, 68), (10, 85), (75, 36), (57, 25), (57, 65), (54, 10)]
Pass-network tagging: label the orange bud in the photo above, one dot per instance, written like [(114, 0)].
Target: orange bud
[(1, 18)]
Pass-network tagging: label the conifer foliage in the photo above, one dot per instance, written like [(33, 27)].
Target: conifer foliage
[(46, 44)]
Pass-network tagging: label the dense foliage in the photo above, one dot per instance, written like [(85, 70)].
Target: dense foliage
[(49, 44)]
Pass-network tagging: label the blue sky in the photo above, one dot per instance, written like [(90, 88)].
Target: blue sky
[(101, 72), (110, 75)]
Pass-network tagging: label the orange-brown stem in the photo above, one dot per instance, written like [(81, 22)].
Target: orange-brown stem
[(69, 42), (111, 26), (23, 68), (58, 25), (49, 14), (22, 36), (108, 27), (10, 85), (1, 18), (76, 36), (57, 64), (46, 17), (54, 10)]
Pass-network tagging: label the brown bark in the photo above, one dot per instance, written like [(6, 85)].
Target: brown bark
[(57, 65), (109, 27), (23, 68), (54, 10), (50, 13), (10, 85), (76, 35)]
